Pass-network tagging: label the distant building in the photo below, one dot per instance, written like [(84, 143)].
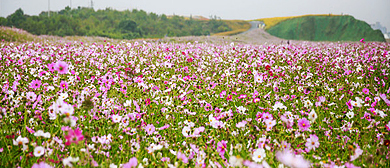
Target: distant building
[(378, 26)]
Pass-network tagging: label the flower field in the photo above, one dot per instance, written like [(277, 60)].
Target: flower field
[(150, 104)]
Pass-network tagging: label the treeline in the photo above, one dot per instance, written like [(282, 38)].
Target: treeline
[(112, 23)]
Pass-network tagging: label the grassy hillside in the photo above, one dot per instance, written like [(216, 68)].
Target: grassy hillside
[(270, 22), (325, 28), (237, 26)]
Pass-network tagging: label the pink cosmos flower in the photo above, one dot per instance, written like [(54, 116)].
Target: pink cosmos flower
[(64, 85), (350, 165), (35, 84), (31, 131), (182, 157), (31, 96), (362, 40), (312, 142), (51, 67), (303, 124), (267, 116), (222, 94), (290, 160), (255, 100), (164, 127), (241, 124), (132, 163), (243, 96), (221, 147), (150, 129), (255, 94), (197, 131), (61, 67), (367, 116), (366, 91), (208, 107), (388, 126), (41, 165), (349, 104), (73, 136), (165, 159), (270, 124), (229, 98)]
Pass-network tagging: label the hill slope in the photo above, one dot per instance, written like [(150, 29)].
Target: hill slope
[(325, 28)]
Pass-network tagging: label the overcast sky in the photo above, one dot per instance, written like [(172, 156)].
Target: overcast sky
[(370, 11)]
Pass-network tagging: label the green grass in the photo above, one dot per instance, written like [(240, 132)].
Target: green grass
[(325, 28), (14, 35)]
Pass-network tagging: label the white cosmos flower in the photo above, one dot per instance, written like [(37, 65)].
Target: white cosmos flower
[(127, 103), (308, 103), (116, 118), (350, 114), (39, 151), (112, 165), (67, 161), (279, 105), (235, 161), (20, 141), (63, 96), (312, 115), (186, 130), (39, 133), (380, 113), (258, 155)]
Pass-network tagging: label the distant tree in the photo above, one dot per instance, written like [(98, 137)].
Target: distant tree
[(17, 18)]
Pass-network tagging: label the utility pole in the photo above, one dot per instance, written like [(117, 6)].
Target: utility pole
[(70, 4), (48, 6), (91, 3)]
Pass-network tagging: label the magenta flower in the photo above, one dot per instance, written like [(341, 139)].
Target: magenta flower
[(303, 124), (243, 96), (150, 129), (366, 91), (31, 131), (208, 107), (64, 85), (73, 136), (221, 147), (35, 84), (349, 104), (362, 40), (229, 98), (51, 67), (61, 67), (367, 116), (133, 162)]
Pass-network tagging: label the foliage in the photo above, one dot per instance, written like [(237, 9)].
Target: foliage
[(113, 24)]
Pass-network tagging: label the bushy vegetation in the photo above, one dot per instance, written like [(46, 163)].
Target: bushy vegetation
[(15, 35), (113, 24), (325, 28)]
